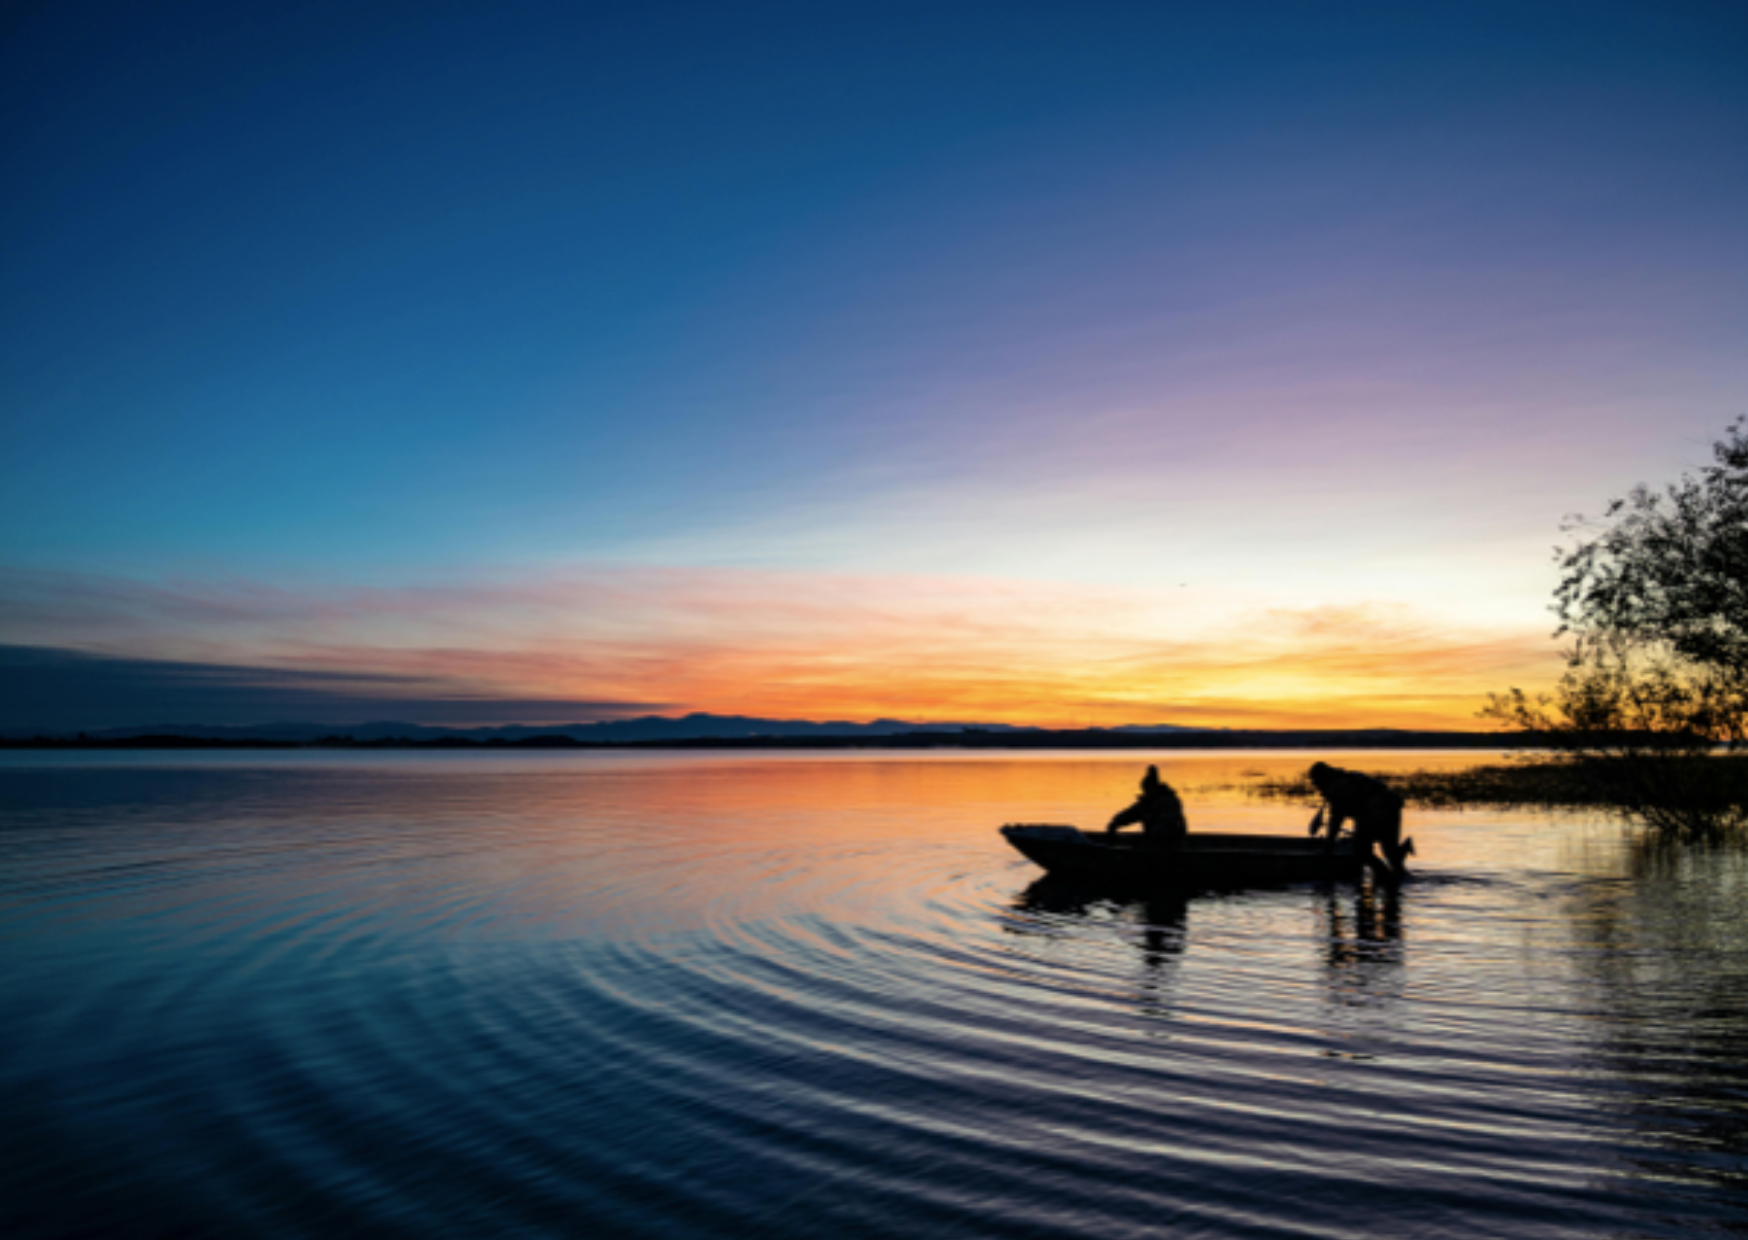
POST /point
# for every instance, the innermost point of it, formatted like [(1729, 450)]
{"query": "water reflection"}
[(1661, 954), (702, 995), (1356, 928), (1362, 932), (1157, 925)]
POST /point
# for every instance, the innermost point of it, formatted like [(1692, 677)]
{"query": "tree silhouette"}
[(1654, 595), (1669, 569)]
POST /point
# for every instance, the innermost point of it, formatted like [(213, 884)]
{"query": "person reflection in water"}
[(1365, 953), (1159, 812), (1375, 811)]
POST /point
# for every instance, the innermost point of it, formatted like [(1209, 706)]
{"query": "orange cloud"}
[(808, 645)]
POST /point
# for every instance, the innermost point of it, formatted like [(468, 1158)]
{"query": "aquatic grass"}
[(1671, 787), (1680, 795)]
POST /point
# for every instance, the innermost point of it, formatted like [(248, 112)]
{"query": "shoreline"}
[(1089, 739)]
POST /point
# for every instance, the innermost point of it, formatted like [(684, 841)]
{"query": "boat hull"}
[(1202, 861)]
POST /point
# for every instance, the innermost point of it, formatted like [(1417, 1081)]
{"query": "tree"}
[(1654, 595), (1669, 569)]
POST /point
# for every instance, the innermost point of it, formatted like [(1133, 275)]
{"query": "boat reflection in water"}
[(1356, 927), (1157, 925)]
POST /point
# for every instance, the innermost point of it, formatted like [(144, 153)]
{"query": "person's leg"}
[(1390, 835), (1363, 841)]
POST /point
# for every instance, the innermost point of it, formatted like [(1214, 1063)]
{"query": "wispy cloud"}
[(58, 690), (594, 642)]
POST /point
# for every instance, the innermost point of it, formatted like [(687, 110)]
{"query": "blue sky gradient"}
[(1300, 306)]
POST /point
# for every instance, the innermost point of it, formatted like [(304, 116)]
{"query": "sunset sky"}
[(1061, 364)]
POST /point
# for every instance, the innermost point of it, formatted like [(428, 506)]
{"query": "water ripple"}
[(384, 1006)]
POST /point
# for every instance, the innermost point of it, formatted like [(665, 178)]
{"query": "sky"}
[(1076, 365)]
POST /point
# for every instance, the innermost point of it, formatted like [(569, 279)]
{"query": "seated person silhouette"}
[(1375, 811), (1159, 812)]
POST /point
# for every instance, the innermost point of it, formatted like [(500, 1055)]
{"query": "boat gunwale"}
[(1234, 860), (1200, 842)]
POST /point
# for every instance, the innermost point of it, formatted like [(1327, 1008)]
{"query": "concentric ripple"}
[(661, 995)]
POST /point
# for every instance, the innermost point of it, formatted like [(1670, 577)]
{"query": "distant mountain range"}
[(644, 728)]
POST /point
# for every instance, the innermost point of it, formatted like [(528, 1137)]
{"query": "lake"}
[(652, 994)]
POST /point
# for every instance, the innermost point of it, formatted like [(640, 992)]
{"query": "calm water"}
[(729, 995)]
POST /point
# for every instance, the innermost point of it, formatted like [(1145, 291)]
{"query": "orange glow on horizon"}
[(795, 645), (1361, 670)]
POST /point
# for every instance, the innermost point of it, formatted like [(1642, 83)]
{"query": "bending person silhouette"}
[(1158, 810), (1375, 811)]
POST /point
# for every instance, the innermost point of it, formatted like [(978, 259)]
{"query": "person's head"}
[(1319, 775)]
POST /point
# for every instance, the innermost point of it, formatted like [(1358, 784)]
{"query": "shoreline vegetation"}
[(1652, 711), (1540, 781)]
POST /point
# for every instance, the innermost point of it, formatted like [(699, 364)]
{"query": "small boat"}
[(1209, 860)]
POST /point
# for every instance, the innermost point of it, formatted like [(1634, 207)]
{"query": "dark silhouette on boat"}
[(1374, 808), (1158, 812), (1167, 854)]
